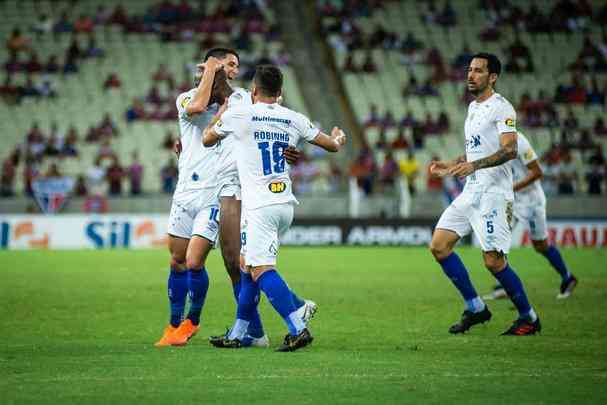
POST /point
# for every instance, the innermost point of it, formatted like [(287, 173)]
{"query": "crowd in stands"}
[(587, 87)]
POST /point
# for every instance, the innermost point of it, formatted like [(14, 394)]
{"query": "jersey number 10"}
[(273, 161)]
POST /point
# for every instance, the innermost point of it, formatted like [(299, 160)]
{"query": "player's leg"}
[(230, 242), (177, 287), (539, 237), (452, 225), (491, 225)]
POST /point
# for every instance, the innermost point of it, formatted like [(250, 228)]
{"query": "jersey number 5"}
[(275, 157)]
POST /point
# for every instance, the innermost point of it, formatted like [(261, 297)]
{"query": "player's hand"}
[(462, 169), (177, 147), (338, 136), (291, 154), (439, 169), (212, 63)]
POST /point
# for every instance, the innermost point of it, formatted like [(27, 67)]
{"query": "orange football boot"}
[(167, 336), (183, 333)]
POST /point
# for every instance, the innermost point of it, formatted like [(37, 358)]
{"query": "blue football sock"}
[(514, 287), (297, 301), (457, 273), (198, 286), (247, 306), (178, 291), (554, 257), (281, 299), (255, 325)]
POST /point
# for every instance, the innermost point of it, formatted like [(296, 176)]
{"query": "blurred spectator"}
[(46, 87), (335, 177), (566, 174), (33, 65), (389, 171), (7, 180), (102, 15), (114, 175), (106, 152), (44, 25), (95, 175), (409, 167), (112, 82), (154, 96), (17, 42), (163, 75), (570, 122), (168, 177), (381, 143), (118, 15), (363, 170), (69, 149), (92, 49), (30, 172), (349, 65), (304, 173), (443, 124), (550, 178), (83, 23), (369, 65), (599, 126), (52, 66), (95, 203), (53, 171), (80, 189), (595, 176), (63, 24), (169, 140), (136, 111), (70, 65), (107, 127), (400, 142), (135, 174), (433, 183), (595, 96), (74, 51), (29, 89), (373, 117)]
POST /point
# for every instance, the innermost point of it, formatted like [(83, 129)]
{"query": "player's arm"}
[(534, 174), (200, 101), (440, 168), (210, 135), (506, 152), (330, 143)]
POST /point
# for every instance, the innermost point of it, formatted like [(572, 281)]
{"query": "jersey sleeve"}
[(182, 102), (505, 118), (238, 98), (525, 151), (306, 128), (230, 123)]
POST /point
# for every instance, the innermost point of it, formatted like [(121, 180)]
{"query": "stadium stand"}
[(404, 72), (113, 57)]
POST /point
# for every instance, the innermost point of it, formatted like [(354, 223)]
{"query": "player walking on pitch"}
[(485, 204), (530, 210), (262, 131)]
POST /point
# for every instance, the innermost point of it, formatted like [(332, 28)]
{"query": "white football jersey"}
[(262, 132), (533, 194), (226, 162), (485, 123), (197, 164)]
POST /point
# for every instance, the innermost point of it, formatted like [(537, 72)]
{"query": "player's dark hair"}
[(493, 63), (268, 79), (220, 53)]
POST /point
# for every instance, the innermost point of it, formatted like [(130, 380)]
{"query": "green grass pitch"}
[(79, 327)]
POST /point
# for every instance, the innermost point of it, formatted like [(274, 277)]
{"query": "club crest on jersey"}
[(277, 187), (510, 122), (528, 154), (185, 102), (473, 142)]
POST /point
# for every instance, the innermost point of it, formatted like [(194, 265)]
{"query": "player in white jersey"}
[(530, 210), (192, 227), (262, 132), (485, 204)]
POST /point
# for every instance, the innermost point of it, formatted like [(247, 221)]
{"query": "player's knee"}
[(257, 272), (194, 262), (178, 263), (440, 250), (540, 246), (495, 264)]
